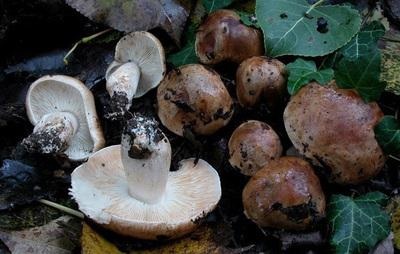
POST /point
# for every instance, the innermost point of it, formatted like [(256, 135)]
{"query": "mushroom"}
[(222, 36), (138, 67), (252, 146), (285, 194), (128, 188), (193, 97), (335, 129), (260, 77), (63, 112)]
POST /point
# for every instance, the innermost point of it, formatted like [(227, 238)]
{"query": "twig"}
[(394, 158), (62, 208), (82, 41)]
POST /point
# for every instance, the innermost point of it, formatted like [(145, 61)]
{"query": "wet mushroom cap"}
[(145, 50), (51, 94), (335, 128), (100, 188), (193, 97), (253, 145), (285, 194), (259, 78), (222, 36)]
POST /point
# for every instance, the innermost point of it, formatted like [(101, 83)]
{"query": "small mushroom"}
[(285, 194), (138, 67), (335, 129), (63, 112), (252, 146), (260, 78), (222, 36), (129, 189), (193, 97)]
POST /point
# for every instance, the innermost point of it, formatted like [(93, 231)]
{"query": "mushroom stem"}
[(122, 83), (52, 134), (146, 157)]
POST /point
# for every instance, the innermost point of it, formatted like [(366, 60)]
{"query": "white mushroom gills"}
[(122, 83), (138, 67), (146, 158), (53, 133)]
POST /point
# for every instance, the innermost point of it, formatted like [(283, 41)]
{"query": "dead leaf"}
[(48, 239), (391, 61), (138, 15), (93, 243), (206, 239)]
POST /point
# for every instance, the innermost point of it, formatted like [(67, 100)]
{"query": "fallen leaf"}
[(93, 243), (206, 239), (47, 239), (138, 15), (391, 61)]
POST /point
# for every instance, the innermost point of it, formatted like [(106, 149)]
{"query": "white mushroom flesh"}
[(52, 134), (146, 156)]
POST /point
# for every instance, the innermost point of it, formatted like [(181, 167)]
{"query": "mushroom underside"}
[(52, 94), (101, 190)]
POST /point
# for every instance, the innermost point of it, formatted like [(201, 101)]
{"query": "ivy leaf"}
[(364, 42), (187, 54), (305, 30), (301, 72), (212, 5), (362, 74), (358, 224), (387, 133)]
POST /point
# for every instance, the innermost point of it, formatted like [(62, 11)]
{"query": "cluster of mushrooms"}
[(129, 189)]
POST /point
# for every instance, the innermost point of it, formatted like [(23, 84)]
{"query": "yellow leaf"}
[(93, 243), (206, 239)]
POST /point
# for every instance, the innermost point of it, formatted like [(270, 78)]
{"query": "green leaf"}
[(249, 19), (301, 72), (387, 133), (360, 64), (187, 54), (357, 224), (364, 42), (362, 74), (297, 28), (212, 5)]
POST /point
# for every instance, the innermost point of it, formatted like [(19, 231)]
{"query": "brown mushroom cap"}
[(258, 78), (335, 128), (222, 36), (193, 97), (285, 194), (253, 145)]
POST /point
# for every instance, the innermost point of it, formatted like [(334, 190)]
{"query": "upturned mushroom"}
[(259, 78), (253, 145), (285, 194), (194, 97), (63, 112), (222, 36), (129, 189), (138, 67), (335, 129)]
